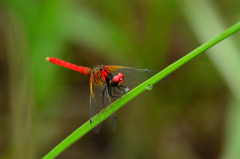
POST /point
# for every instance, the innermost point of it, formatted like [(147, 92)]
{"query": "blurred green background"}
[(195, 116)]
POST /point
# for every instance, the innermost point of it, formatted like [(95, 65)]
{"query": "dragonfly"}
[(107, 84)]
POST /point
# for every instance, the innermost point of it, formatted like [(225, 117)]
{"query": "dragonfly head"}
[(117, 80)]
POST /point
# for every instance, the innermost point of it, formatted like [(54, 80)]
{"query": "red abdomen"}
[(81, 69)]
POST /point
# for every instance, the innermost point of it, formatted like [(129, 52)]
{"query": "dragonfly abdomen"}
[(81, 69)]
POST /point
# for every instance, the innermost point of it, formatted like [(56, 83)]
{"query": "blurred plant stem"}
[(206, 24), (21, 145)]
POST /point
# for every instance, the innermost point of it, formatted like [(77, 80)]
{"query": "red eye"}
[(116, 79), (120, 75)]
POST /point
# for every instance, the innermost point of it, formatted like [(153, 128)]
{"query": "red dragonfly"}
[(107, 83)]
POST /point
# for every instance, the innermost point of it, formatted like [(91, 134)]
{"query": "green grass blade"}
[(86, 127)]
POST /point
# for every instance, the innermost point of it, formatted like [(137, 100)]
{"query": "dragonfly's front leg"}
[(110, 93), (117, 92), (103, 97), (126, 89)]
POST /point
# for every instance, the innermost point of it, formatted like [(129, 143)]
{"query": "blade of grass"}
[(20, 93), (86, 127)]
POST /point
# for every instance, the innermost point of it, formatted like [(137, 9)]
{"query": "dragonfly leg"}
[(103, 97), (124, 88), (110, 93), (121, 89), (117, 92)]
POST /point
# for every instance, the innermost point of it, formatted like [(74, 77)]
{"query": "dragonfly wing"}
[(132, 77), (94, 109), (100, 98), (112, 118)]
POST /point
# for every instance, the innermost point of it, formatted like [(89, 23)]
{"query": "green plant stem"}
[(86, 127)]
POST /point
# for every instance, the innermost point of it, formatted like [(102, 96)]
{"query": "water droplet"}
[(90, 120), (147, 70), (127, 89), (149, 87)]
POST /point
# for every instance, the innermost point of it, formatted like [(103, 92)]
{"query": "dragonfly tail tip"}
[(47, 58)]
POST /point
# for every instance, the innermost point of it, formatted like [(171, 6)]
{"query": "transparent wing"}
[(94, 109), (100, 99), (132, 76)]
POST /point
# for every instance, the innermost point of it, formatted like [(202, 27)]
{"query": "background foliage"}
[(196, 115)]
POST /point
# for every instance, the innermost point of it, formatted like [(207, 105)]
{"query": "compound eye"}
[(120, 75), (116, 79)]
